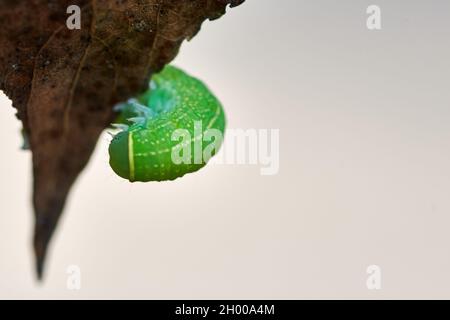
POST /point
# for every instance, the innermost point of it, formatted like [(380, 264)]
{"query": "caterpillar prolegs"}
[(170, 118)]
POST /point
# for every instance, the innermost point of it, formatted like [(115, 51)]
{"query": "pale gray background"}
[(364, 178)]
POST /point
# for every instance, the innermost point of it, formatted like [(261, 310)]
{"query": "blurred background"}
[(364, 170)]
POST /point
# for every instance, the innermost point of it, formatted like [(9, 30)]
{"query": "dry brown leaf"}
[(64, 83)]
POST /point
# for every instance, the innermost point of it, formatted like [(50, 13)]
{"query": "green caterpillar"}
[(143, 150)]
